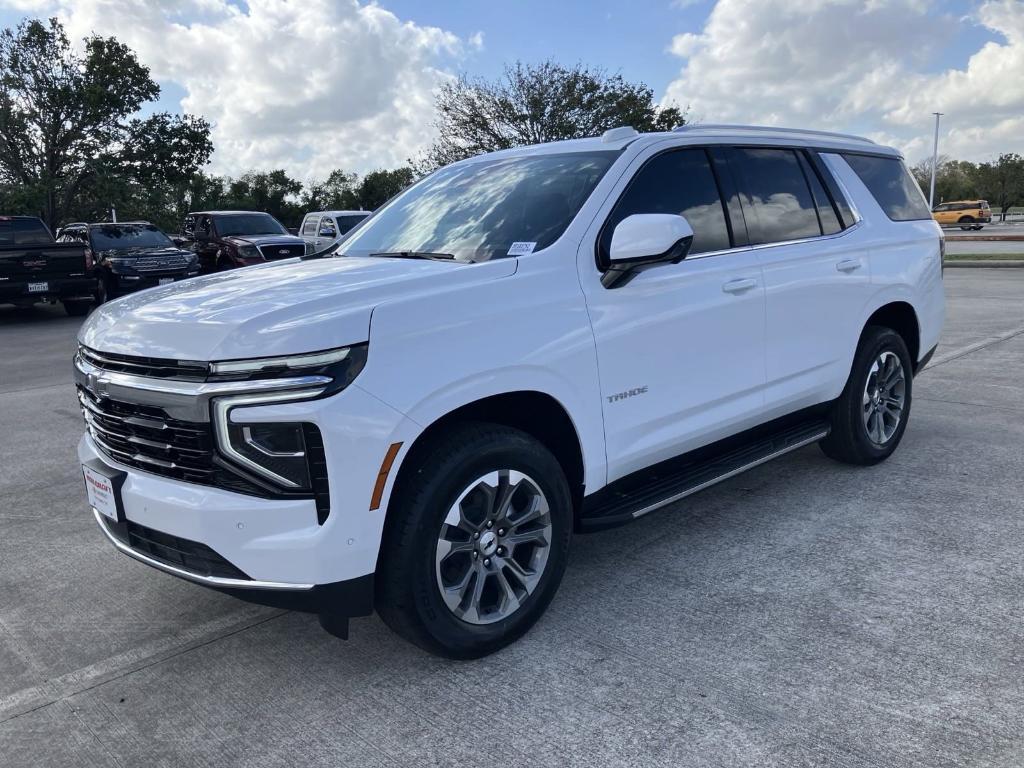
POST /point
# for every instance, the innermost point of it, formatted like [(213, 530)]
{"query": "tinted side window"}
[(827, 215), (777, 202), (891, 185), (679, 182)]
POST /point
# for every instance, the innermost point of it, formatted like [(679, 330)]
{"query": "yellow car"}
[(966, 214)]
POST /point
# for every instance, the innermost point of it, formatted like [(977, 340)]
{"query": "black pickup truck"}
[(34, 268)]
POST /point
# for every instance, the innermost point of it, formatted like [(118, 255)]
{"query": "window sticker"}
[(520, 249)]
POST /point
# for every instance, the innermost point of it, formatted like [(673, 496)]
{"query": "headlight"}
[(122, 266), (249, 252), (275, 451), (341, 365), (288, 454)]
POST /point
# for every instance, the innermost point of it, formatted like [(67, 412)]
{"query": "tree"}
[(66, 126), (954, 179), (266, 191), (1002, 182), (377, 187), (337, 193), (534, 103)]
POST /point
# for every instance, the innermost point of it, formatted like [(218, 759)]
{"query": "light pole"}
[(935, 161)]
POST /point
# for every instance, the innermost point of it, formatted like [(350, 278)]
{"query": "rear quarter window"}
[(892, 186)]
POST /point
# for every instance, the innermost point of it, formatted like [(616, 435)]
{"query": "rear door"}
[(680, 347), (817, 278)]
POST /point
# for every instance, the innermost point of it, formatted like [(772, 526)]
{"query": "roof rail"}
[(772, 129)]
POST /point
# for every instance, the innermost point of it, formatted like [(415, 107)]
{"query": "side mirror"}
[(644, 239)]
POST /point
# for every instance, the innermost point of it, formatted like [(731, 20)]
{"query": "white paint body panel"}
[(442, 335)]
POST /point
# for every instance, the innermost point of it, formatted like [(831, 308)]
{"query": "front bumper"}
[(285, 555), (352, 597), (122, 284)]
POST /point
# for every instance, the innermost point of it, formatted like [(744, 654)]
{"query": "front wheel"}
[(869, 417), (476, 542), (77, 307)]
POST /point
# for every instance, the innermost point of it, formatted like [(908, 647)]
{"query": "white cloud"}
[(308, 86), (847, 64)]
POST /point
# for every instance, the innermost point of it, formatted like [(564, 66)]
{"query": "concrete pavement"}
[(805, 613)]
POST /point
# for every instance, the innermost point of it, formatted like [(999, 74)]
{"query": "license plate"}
[(38, 287), (101, 492), (165, 280)]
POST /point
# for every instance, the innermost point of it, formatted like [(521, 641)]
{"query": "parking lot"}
[(804, 613)]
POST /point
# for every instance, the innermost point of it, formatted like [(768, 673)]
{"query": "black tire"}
[(102, 290), (849, 440), (966, 222), (77, 307), (224, 263), (408, 594)]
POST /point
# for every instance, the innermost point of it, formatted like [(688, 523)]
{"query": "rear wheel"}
[(478, 541), (966, 222), (869, 417), (77, 307)]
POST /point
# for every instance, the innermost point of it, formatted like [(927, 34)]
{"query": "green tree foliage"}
[(377, 187), (1000, 182), (1003, 181), (69, 144), (534, 103)]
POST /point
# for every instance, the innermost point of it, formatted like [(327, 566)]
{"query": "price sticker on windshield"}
[(521, 249)]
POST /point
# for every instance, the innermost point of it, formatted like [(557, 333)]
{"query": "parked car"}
[(523, 345), (35, 268), (228, 239), (966, 214), (130, 256), (322, 229)]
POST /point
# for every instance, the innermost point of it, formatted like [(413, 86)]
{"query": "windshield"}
[(115, 236), (249, 224), (478, 211)]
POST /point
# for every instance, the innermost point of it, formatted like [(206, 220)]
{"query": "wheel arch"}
[(901, 317), (537, 413)]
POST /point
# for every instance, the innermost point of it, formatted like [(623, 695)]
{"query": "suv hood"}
[(279, 308)]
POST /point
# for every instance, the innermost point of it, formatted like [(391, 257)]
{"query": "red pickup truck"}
[(34, 268)]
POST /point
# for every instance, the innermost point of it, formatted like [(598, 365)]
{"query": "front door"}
[(680, 347)]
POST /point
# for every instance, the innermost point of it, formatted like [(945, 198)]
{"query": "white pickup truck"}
[(521, 346)]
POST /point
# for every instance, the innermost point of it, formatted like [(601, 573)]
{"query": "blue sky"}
[(354, 82)]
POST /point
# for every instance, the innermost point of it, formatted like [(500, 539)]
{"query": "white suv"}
[(322, 229), (521, 346)]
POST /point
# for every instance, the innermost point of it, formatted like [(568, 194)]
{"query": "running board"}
[(650, 489)]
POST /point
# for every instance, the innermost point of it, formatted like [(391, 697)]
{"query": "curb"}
[(997, 263), (985, 238)]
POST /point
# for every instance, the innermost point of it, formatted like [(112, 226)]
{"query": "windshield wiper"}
[(417, 255)]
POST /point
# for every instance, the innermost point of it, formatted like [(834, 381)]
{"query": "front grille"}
[(170, 262), (154, 367), (145, 437), (192, 556), (286, 251)]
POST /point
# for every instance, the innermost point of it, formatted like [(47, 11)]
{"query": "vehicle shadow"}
[(38, 313)]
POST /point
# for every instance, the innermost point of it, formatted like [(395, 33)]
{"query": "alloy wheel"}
[(493, 546), (885, 393)]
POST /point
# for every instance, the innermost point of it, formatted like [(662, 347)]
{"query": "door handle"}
[(849, 265), (740, 285)]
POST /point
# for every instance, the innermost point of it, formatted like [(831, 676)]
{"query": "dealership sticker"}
[(520, 249)]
